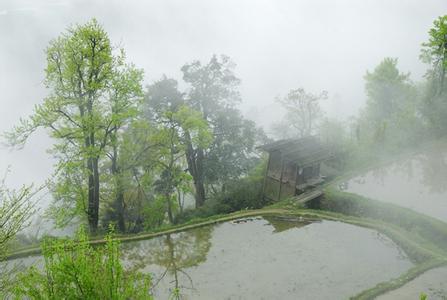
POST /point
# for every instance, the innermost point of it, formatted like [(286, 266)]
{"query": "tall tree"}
[(124, 95), (81, 112), (387, 90), (232, 152), (129, 183), (390, 105), (179, 127), (303, 112), (213, 90)]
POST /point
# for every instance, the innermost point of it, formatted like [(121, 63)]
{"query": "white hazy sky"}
[(277, 45)]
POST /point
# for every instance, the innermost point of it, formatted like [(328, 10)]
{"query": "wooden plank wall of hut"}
[(288, 180), (281, 177), (272, 181)]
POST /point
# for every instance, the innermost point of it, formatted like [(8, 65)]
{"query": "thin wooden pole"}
[(265, 177), (280, 177)]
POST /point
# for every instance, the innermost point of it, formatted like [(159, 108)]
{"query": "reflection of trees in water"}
[(9, 269), (434, 170), (285, 223), (382, 174), (379, 174), (175, 253), (405, 167), (383, 239)]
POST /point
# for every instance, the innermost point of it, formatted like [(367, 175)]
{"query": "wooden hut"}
[(293, 167)]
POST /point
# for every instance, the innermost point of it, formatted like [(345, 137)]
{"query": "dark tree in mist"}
[(213, 90), (390, 110), (179, 128)]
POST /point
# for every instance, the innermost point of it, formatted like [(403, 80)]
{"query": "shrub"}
[(76, 270), (244, 194)]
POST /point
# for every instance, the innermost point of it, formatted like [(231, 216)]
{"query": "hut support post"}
[(265, 177), (280, 178)]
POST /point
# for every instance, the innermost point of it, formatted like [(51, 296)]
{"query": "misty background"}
[(277, 46)]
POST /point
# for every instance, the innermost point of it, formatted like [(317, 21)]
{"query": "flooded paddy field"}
[(266, 258), (418, 183), (433, 283)]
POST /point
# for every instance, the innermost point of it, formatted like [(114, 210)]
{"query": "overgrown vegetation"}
[(73, 269), (16, 209), (240, 194)]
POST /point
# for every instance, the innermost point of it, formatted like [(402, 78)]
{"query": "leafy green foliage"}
[(130, 183), (76, 270), (93, 94), (213, 90), (243, 193), (232, 154), (16, 208), (179, 128), (434, 52)]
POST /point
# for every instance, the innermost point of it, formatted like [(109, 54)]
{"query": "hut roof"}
[(303, 151)]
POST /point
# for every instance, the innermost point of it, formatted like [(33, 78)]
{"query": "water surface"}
[(268, 258), (418, 183), (433, 283)]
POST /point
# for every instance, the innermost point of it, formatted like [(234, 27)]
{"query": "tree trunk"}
[(92, 166), (172, 263), (180, 200), (195, 159), (200, 193), (119, 191), (196, 170), (120, 209), (170, 215), (93, 194)]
